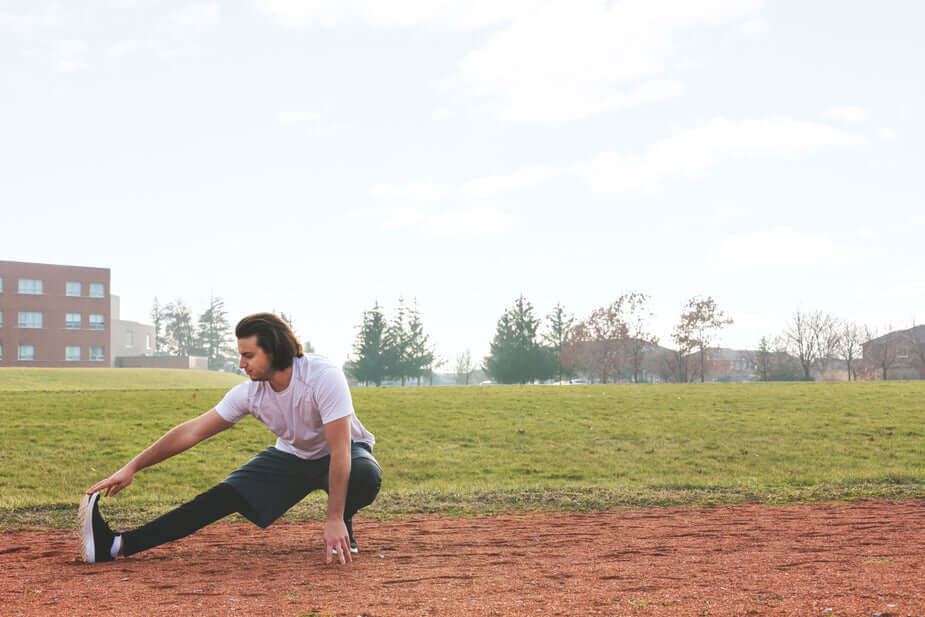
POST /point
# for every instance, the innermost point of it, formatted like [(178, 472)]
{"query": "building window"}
[(72, 321), (903, 353), (72, 354), (26, 352), (96, 322), (129, 338), (1, 319), (31, 287), (29, 319), (1, 284), (72, 289), (96, 354), (1, 352), (96, 290), (147, 336)]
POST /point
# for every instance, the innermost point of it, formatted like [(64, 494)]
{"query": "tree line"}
[(610, 343), (614, 342), (177, 332), (397, 349), (813, 342)]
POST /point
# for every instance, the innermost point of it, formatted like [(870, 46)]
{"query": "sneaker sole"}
[(85, 527)]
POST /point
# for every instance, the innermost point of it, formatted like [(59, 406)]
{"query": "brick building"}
[(53, 315), (896, 355)]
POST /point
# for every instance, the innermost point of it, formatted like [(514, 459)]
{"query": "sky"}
[(319, 156)]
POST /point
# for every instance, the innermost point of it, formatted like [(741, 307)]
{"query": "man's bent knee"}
[(365, 482)]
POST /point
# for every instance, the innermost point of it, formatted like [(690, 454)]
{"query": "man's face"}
[(254, 360)]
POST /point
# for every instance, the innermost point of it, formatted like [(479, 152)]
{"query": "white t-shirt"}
[(317, 394)]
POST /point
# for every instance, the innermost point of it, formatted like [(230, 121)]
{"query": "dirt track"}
[(863, 558)]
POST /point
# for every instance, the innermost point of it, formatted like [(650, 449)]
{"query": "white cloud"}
[(847, 113), (27, 24), (887, 134), (415, 191), (459, 221), (123, 48), (780, 247), (294, 118), (442, 114), (442, 14), (522, 178), (755, 27), (908, 285), (918, 219), (689, 154), (71, 56), (197, 15), (728, 213), (574, 58)]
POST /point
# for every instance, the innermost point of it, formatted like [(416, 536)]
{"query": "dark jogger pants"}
[(262, 490)]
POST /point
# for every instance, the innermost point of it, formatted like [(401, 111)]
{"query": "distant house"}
[(128, 338), (725, 364), (896, 355)]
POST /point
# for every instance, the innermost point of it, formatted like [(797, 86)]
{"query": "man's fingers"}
[(96, 487), (328, 551)]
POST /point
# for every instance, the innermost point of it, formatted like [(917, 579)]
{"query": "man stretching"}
[(305, 401)]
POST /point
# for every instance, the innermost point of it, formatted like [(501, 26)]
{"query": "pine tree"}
[(559, 323), (398, 345), (420, 356), (516, 355), (369, 348), (213, 337)]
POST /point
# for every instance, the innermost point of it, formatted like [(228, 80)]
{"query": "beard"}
[(264, 376)]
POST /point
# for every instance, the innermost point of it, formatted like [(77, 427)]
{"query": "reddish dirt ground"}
[(862, 558)]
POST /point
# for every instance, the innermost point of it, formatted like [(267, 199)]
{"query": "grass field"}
[(477, 449)]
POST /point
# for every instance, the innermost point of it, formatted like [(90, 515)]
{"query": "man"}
[(305, 401)]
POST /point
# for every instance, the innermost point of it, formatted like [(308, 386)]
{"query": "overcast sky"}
[(318, 156)]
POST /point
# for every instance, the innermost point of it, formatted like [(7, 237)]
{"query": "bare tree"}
[(849, 346), (636, 315), (882, 354), (799, 335), (812, 337), (580, 352), (596, 344), (682, 339), (828, 338), (700, 323), (609, 333), (464, 367)]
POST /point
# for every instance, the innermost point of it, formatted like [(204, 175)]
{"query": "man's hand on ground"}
[(114, 483), (336, 539)]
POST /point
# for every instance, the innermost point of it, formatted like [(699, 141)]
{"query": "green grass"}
[(465, 451), (72, 379)]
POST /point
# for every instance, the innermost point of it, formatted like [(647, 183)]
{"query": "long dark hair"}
[(274, 337)]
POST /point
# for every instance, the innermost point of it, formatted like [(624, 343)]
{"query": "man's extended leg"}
[(218, 502), (99, 543)]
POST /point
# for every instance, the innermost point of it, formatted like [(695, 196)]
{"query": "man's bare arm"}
[(179, 438), (337, 436)]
